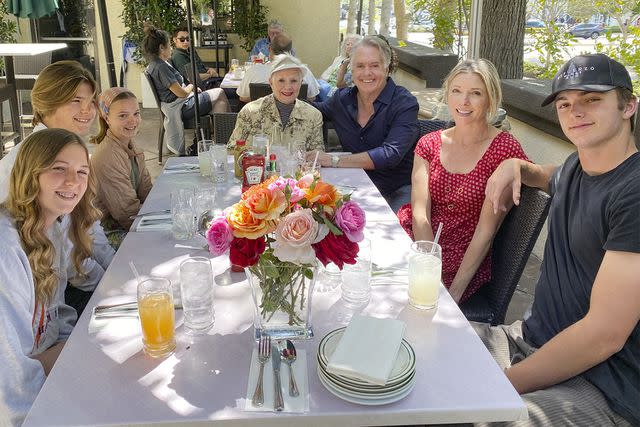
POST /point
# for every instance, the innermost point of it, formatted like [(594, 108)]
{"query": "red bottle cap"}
[(272, 156), (241, 142)]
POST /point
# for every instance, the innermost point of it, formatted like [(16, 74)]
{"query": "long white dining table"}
[(102, 376)]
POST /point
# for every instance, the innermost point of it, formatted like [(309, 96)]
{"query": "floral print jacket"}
[(260, 116)]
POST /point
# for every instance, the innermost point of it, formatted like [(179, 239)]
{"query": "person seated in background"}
[(338, 74), (51, 179), (63, 96), (262, 45), (118, 164), (450, 172), (181, 58), (376, 120), (576, 359), (177, 98), (297, 120), (259, 73)]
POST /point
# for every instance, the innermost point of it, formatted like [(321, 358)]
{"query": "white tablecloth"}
[(103, 378)]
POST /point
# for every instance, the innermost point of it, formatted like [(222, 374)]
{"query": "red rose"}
[(337, 249), (246, 252)]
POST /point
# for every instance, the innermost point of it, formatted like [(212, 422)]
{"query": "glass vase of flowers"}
[(278, 232)]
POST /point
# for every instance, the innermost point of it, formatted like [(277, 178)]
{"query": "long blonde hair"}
[(56, 86), (37, 153)]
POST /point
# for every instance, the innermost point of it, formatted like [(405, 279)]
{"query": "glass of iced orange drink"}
[(155, 308)]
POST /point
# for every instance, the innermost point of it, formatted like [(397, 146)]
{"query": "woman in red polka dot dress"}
[(450, 171)]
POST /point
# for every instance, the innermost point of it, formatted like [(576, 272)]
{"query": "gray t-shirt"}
[(164, 75), (589, 215)]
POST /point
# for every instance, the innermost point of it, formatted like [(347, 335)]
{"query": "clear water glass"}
[(196, 293), (219, 166), (356, 278), (183, 217)]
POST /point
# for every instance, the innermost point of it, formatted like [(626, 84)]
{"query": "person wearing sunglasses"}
[(181, 58)]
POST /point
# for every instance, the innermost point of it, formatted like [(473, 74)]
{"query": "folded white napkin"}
[(291, 404), (368, 349), (154, 222)]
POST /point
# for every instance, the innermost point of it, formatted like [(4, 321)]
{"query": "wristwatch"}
[(334, 161)]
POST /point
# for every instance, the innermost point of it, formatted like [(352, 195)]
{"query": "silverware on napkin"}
[(161, 212), (289, 356), (264, 351), (278, 401)]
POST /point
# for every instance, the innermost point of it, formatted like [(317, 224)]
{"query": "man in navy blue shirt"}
[(376, 120)]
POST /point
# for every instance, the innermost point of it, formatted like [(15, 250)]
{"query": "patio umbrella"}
[(33, 9)]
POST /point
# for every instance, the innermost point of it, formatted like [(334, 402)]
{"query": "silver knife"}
[(278, 402)]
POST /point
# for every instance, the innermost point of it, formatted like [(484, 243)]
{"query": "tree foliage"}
[(163, 14), (249, 21), (624, 12)]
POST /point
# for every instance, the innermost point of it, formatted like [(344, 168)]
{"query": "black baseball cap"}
[(591, 73)]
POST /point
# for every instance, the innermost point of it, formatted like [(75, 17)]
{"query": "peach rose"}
[(293, 237), (265, 203), (244, 224), (322, 193)]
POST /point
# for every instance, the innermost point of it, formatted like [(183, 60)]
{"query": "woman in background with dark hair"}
[(177, 98), (376, 120)]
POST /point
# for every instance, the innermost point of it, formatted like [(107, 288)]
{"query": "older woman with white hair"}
[(295, 119), (338, 75), (376, 120)]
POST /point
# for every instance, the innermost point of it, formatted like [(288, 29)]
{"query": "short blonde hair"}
[(489, 76), (56, 86)]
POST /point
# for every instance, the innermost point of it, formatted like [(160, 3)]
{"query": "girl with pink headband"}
[(118, 164)]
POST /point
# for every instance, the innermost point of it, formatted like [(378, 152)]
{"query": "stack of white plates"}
[(399, 384)]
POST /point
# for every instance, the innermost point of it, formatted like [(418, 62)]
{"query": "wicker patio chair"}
[(511, 249), (223, 125)]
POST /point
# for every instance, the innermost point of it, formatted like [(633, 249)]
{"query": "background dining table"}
[(102, 376)]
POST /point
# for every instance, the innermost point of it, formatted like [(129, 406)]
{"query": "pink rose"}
[(350, 218), (281, 183), (219, 236), (293, 237)]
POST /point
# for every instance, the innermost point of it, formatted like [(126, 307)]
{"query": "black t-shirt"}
[(588, 216)]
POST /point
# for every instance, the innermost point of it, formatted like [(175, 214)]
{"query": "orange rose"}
[(244, 224), (322, 193), (266, 204)]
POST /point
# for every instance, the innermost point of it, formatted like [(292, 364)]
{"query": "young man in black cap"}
[(576, 359)]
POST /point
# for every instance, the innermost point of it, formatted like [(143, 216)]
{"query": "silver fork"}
[(264, 352)]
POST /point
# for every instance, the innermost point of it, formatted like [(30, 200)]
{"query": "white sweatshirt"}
[(27, 329)]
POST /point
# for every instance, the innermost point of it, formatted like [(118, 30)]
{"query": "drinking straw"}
[(313, 168), (435, 239), (135, 271)]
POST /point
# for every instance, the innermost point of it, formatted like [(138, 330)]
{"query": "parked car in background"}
[(588, 30), (534, 24)]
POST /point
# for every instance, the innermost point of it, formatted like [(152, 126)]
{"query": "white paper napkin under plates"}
[(291, 404), (368, 349), (154, 222)]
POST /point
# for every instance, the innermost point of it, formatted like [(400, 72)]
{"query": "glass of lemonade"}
[(204, 147), (425, 271), (157, 318)]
